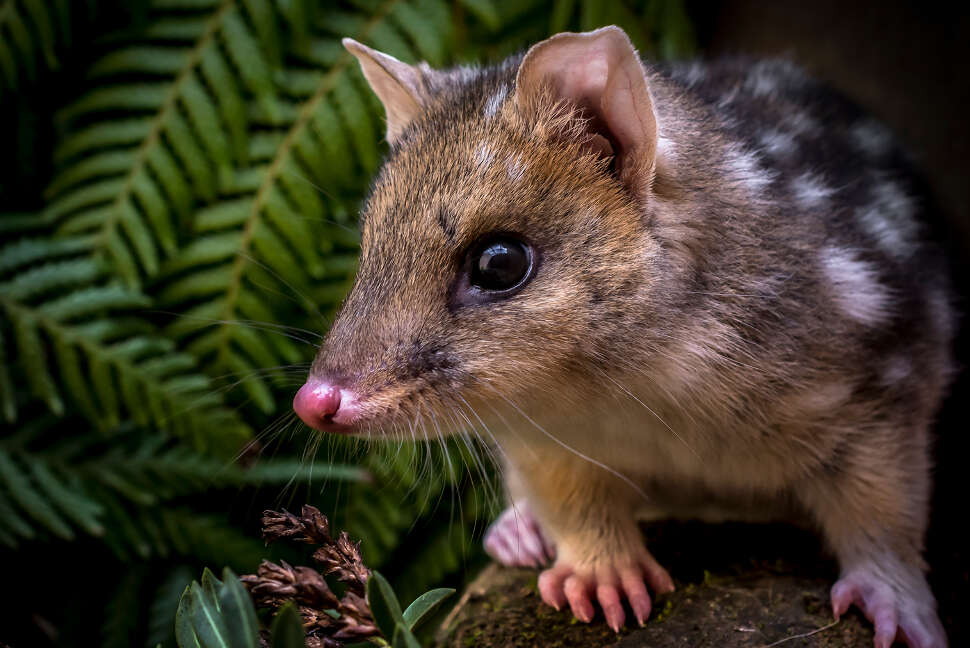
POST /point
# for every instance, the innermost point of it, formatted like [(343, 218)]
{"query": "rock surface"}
[(744, 586)]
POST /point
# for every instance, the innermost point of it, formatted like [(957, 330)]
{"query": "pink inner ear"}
[(602, 73)]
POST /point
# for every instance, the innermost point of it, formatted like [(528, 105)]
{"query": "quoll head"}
[(503, 246)]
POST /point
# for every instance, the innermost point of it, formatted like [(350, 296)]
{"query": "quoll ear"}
[(399, 86), (601, 71)]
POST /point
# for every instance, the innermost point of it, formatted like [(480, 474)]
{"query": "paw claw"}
[(577, 593), (636, 594), (606, 585), (897, 614), (842, 596), (551, 587), (609, 600)]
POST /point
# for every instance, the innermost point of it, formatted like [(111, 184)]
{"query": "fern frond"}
[(70, 336), (132, 184), (20, 490), (106, 490), (31, 33)]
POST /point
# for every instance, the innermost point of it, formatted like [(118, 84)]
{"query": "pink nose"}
[(318, 404)]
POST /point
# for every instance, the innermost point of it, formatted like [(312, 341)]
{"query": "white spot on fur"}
[(701, 349), (897, 369), (516, 168), (855, 286), (871, 137), (729, 97), (465, 73), (768, 77), (761, 82), (822, 398), (810, 191), (495, 101), (483, 156), (665, 148), (890, 219), (691, 73), (778, 143), (801, 123), (746, 168)]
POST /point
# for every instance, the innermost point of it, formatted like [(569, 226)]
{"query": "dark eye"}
[(500, 264)]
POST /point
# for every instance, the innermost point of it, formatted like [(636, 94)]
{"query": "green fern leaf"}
[(181, 155), (8, 397), (34, 360), (22, 492), (69, 499), (54, 309), (15, 527), (32, 250)]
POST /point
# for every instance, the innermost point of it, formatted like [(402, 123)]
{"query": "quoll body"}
[(697, 290)]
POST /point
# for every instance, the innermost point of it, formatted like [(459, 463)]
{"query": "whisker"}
[(658, 417), (307, 302)]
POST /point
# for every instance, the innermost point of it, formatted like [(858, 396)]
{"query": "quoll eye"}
[(501, 264)]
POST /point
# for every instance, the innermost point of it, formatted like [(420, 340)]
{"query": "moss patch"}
[(740, 586)]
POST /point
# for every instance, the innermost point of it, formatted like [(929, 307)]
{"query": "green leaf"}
[(236, 606), (287, 630), (383, 604), (403, 638), (216, 614), (425, 605)]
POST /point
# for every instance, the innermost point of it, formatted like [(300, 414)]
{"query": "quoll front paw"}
[(515, 539), (608, 583), (897, 614)]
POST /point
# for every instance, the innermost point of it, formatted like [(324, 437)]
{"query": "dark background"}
[(906, 63)]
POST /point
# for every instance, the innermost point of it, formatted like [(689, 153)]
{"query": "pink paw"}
[(515, 540), (896, 615), (609, 584)]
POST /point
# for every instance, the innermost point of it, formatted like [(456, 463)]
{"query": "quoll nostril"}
[(329, 401), (316, 402)]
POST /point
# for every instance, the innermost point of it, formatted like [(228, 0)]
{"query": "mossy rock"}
[(737, 586)]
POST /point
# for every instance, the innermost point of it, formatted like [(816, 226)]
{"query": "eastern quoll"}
[(692, 290)]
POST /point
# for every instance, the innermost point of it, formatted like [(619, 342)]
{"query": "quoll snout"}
[(325, 406)]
